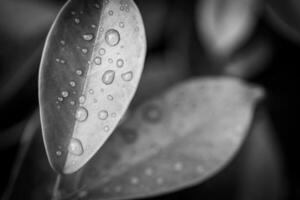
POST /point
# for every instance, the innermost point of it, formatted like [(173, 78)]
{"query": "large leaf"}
[(224, 25), (91, 65), (173, 141)]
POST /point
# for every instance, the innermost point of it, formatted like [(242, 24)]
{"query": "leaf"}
[(224, 25), (91, 65), (174, 141)]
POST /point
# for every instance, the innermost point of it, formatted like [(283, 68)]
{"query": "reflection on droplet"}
[(65, 93), (110, 97), (101, 51), (79, 72), (110, 12), (81, 114), (75, 147), (84, 51), (97, 61), (103, 114), (127, 76), (82, 99), (112, 37), (121, 25), (58, 153), (77, 20), (120, 63), (88, 37), (108, 77), (72, 83), (106, 128)]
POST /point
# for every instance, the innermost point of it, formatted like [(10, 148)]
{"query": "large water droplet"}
[(81, 114), (75, 147), (97, 61), (112, 37), (88, 37), (120, 63), (103, 114), (65, 93), (108, 77), (127, 76)]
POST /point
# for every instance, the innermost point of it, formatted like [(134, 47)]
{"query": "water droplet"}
[(108, 77), (82, 194), (77, 20), (93, 26), (110, 60), (113, 115), (72, 103), (134, 180), (57, 60), (97, 5), (62, 61), (103, 114), (118, 188), (106, 128), (73, 13), (127, 76), (79, 72), (112, 37), (62, 42), (88, 37), (84, 51), (81, 12), (75, 147), (101, 51), (81, 114), (149, 172), (178, 166), (120, 63), (121, 8), (81, 99), (91, 91), (72, 83), (152, 113), (101, 29), (65, 93), (121, 25), (97, 61), (110, 97), (58, 153), (129, 135), (159, 180), (110, 12), (60, 99), (199, 169)]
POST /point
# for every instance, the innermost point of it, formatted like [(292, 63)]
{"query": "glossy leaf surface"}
[(91, 65), (173, 141)]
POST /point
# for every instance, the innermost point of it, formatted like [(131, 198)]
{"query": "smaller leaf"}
[(173, 141)]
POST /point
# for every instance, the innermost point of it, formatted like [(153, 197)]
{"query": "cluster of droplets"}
[(124, 6)]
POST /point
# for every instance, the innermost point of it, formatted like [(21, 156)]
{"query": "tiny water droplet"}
[(73, 13), (152, 113), (72, 103), (82, 194), (75, 147), (120, 63), (79, 72), (110, 60), (108, 77), (134, 180), (159, 180), (91, 91), (62, 42), (58, 153), (113, 115), (127, 9), (72, 83), (81, 114), (62, 61), (149, 172), (112, 37), (118, 188), (97, 61), (121, 25), (103, 114), (65, 93), (101, 29), (84, 50), (127, 76), (60, 99), (178, 166), (106, 1), (110, 97), (77, 20), (81, 99), (101, 51), (121, 8), (88, 37), (110, 12), (57, 60), (97, 5), (106, 128), (93, 26)]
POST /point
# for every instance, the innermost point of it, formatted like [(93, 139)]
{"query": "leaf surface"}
[(91, 65)]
